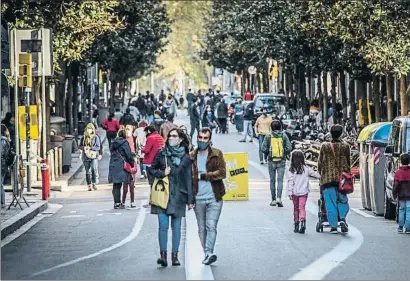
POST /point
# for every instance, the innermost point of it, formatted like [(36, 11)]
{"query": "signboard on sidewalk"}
[(237, 178), (34, 134)]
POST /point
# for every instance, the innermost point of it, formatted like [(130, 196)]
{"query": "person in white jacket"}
[(298, 188)]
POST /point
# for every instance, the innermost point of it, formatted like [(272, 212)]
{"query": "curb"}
[(17, 221)]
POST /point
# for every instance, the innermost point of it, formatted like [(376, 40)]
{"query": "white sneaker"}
[(205, 259), (273, 203)]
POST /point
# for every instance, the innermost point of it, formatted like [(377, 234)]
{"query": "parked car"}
[(399, 142)]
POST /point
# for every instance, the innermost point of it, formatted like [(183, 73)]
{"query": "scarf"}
[(176, 153)]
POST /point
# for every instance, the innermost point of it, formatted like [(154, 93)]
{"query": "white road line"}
[(73, 212), (134, 233), (194, 269), (320, 268), (99, 215), (72, 216), (364, 214)]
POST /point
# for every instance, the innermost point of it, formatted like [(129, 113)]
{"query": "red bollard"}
[(45, 179)]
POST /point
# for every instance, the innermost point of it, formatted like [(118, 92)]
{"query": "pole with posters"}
[(43, 97)]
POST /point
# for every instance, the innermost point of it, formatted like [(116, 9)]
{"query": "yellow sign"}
[(237, 178), (25, 70), (33, 122), (369, 114)]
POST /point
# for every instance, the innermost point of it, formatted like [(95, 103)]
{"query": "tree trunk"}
[(325, 104), (113, 89), (297, 87), (362, 92), (320, 93), (343, 93), (302, 88), (352, 102), (48, 114), (70, 99), (389, 96), (376, 98), (403, 96), (333, 81), (75, 73)]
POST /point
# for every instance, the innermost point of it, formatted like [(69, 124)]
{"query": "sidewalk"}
[(14, 218)]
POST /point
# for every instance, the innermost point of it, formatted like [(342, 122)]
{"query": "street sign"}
[(252, 70)]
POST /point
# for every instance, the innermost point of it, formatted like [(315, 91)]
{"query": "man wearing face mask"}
[(263, 128), (209, 172)]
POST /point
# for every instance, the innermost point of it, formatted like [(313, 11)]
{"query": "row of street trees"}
[(368, 39), (123, 36)]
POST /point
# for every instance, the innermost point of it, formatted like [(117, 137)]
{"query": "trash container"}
[(363, 164), (377, 142), (67, 152)]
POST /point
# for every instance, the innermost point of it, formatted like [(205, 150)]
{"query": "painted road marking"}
[(364, 214), (134, 233), (194, 269), (320, 268), (72, 216), (73, 212)]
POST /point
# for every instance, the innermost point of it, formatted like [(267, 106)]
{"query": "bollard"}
[(45, 179)]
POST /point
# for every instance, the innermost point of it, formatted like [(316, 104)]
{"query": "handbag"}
[(345, 180), (160, 191), (127, 166), (91, 154)]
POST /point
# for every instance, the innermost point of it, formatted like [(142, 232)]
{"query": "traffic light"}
[(25, 70)]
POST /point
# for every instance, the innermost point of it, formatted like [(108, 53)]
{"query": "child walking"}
[(298, 188), (401, 190)]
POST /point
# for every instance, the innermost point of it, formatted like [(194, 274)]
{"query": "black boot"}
[(175, 261), (296, 230), (163, 259), (303, 227)]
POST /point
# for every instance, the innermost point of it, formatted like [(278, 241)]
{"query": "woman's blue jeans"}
[(404, 214), (163, 221), (337, 205)]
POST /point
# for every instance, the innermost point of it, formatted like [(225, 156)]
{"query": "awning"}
[(364, 134), (380, 134)]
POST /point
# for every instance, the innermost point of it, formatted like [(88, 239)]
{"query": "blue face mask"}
[(202, 145)]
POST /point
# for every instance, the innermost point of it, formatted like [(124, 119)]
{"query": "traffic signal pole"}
[(28, 168)]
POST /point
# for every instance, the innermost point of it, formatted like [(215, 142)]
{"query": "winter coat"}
[(154, 143), (171, 107), (111, 126), (329, 166), (222, 110), (401, 188), (6, 155), (206, 121), (215, 171), (195, 115), (266, 145), (298, 184), (120, 152), (180, 184)]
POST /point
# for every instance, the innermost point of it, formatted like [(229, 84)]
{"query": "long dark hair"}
[(181, 134), (110, 117), (297, 162)]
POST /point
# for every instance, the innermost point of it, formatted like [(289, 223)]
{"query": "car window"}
[(272, 103), (395, 137)]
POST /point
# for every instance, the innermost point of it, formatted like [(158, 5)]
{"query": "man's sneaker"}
[(205, 259), (407, 231), (400, 230), (132, 205), (94, 187), (242, 141), (273, 203), (142, 177), (344, 227), (117, 205), (333, 230), (89, 187), (279, 202), (262, 162), (211, 259)]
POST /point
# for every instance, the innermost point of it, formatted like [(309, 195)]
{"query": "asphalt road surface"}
[(88, 239)]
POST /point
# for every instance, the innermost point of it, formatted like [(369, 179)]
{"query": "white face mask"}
[(174, 142), (90, 131), (129, 133)]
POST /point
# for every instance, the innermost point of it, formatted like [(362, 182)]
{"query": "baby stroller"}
[(322, 215)]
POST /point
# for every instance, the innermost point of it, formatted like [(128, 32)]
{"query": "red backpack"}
[(345, 180)]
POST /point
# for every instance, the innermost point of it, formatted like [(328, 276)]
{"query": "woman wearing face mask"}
[(173, 161), (90, 146), (208, 120)]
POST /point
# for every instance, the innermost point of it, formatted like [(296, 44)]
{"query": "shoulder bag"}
[(160, 191), (345, 180)]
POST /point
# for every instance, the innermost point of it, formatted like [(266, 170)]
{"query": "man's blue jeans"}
[(337, 205), (163, 221), (404, 214), (248, 130), (261, 138)]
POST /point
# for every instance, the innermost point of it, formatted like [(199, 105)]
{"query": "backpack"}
[(277, 149)]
